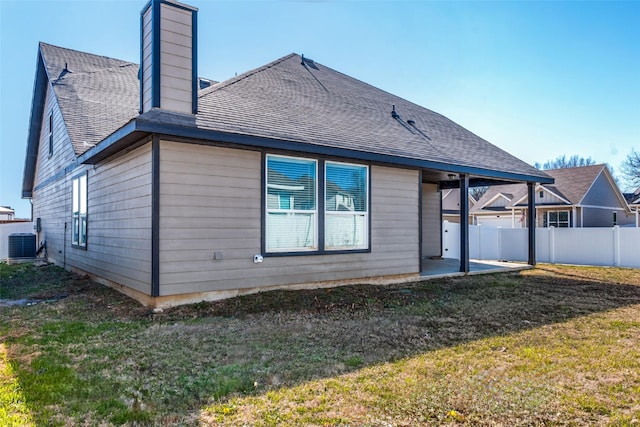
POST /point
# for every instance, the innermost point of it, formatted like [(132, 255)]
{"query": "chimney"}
[(168, 64)]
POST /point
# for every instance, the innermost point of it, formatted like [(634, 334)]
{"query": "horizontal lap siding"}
[(119, 221), (210, 202), (52, 200)]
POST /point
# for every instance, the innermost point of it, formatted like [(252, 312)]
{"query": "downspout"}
[(64, 247)]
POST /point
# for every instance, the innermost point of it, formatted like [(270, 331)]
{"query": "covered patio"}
[(449, 267)]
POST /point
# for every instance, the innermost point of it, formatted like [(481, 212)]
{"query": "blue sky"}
[(537, 79)]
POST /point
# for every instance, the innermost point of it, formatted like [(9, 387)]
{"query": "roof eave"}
[(137, 128), (41, 80)]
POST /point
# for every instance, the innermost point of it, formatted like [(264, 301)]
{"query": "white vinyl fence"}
[(9, 228), (613, 246)]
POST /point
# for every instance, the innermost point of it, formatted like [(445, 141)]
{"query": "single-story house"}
[(289, 175), (451, 205), (585, 196)]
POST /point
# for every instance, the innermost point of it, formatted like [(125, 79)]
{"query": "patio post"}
[(464, 223), (531, 221)]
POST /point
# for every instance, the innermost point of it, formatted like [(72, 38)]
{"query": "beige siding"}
[(431, 221), (119, 220), (499, 202), (547, 198), (175, 59), (147, 48), (63, 154), (50, 201), (210, 202)]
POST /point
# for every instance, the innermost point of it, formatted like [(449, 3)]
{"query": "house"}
[(451, 204), (6, 213), (586, 196), (289, 175), (633, 200)]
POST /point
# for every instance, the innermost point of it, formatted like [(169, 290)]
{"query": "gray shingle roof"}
[(96, 94), (571, 184), (313, 104), (288, 99)]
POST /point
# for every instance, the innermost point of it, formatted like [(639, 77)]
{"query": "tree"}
[(561, 162), (477, 192), (630, 169)]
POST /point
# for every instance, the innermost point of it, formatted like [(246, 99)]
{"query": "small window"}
[(541, 194), (79, 213), (346, 206), (292, 216), (615, 218), (50, 133)]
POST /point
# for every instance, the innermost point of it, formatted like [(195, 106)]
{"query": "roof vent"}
[(411, 122), (393, 112)]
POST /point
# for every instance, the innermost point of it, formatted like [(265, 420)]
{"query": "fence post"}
[(552, 245), (479, 241), (616, 245)]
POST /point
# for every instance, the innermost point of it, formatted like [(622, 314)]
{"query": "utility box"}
[(22, 245)]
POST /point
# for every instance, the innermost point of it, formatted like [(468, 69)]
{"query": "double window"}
[(79, 212), (315, 205), (556, 219)]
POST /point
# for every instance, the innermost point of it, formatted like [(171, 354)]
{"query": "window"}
[(346, 216), (556, 219), (79, 221), (292, 215), (299, 219), (615, 218), (541, 194), (50, 133)]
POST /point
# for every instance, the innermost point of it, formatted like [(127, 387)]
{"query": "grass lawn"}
[(555, 345)]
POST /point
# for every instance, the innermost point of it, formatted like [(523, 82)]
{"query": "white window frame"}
[(291, 212), (79, 194), (557, 222), (362, 214)]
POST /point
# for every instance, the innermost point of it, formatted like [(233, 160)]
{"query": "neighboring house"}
[(6, 213), (291, 174), (451, 205), (633, 200), (586, 196)]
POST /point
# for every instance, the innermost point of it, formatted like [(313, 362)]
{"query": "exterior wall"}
[(49, 196), (603, 217), (547, 198), (210, 203), (47, 166), (499, 202), (431, 221), (451, 201), (601, 193), (119, 220)]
